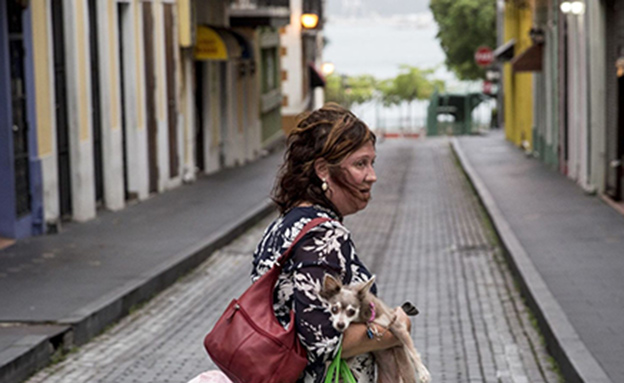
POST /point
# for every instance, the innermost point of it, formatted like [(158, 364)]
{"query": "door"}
[(199, 108), (563, 97), (615, 99), (18, 108), (95, 104), (172, 113), (60, 94), (122, 15), (150, 94), (223, 112), (618, 192)]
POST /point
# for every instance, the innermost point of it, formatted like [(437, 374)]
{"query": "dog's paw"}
[(423, 375)]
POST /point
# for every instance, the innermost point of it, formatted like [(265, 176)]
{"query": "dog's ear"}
[(331, 287), (364, 288)]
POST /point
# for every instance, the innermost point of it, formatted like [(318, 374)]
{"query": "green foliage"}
[(349, 90), (387, 93), (463, 26), (410, 84)]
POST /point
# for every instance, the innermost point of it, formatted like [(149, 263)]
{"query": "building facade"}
[(576, 73), (110, 101)]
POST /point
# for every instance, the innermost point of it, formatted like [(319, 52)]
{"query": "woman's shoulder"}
[(296, 219)]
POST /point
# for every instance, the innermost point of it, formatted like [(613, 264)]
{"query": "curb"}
[(89, 321), (576, 363)]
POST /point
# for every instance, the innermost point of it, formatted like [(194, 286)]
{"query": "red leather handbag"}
[(248, 343)]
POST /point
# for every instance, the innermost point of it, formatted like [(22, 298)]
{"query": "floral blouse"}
[(326, 249)]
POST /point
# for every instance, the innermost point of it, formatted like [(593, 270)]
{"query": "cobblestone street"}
[(428, 240)]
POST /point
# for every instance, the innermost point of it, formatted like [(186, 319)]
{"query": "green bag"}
[(339, 369)]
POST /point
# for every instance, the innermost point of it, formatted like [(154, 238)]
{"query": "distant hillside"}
[(380, 7)]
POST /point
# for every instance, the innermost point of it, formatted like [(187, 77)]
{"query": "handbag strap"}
[(279, 263)]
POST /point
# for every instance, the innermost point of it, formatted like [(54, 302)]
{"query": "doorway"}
[(122, 22), (172, 114), (96, 113), (18, 108), (617, 165), (223, 112), (199, 109), (150, 94), (60, 96)]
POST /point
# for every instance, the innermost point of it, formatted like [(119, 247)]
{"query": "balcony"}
[(255, 13)]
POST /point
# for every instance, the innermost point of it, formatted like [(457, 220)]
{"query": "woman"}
[(328, 172)]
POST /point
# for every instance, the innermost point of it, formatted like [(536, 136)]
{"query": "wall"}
[(518, 86)]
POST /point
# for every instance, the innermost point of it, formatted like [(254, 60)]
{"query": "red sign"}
[(484, 56), (487, 87)]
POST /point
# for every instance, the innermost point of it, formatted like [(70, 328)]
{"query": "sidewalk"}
[(566, 247), (58, 291)]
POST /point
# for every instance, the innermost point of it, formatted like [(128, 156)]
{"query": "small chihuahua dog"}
[(356, 304)]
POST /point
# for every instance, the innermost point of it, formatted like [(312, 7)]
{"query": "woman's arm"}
[(356, 341)]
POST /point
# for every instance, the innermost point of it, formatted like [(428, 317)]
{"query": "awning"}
[(316, 78), (530, 60), (216, 44), (505, 52), (247, 51)]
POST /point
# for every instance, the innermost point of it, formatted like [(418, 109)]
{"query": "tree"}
[(463, 26), (349, 90), (411, 84)]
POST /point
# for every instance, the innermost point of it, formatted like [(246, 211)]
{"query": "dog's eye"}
[(350, 312), (334, 310)]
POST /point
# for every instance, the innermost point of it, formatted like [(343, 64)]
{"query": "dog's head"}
[(345, 302)]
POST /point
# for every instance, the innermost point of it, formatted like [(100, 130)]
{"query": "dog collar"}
[(372, 307)]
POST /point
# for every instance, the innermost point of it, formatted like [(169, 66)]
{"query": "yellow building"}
[(518, 86)]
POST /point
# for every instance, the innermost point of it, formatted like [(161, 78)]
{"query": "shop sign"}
[(209, 45)]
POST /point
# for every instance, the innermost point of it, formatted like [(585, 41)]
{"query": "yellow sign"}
[(209, 45)]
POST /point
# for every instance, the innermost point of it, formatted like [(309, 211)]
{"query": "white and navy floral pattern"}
[(326, 249)]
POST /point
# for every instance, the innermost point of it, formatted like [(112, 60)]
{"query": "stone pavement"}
[(568, 248), (60, 290), (428, 240)]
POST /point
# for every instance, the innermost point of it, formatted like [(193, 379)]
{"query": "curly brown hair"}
[(332, 133)]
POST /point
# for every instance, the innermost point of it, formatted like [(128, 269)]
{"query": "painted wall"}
[(518, 86), (577, 77), (76, 29), (543, 87), (597, 51), (292, 64), (110, 104)]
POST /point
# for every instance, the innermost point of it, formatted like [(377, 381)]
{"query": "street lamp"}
[(578, 7), (309, 20), (574, 7), (566, 7), (327, 68)]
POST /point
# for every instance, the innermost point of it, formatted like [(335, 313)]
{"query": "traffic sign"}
[(488, 87), (484, 56)]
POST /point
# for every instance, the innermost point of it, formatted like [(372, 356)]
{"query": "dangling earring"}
[(324, 185)]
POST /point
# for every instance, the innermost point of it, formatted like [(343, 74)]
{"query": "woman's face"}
[(360, 174)]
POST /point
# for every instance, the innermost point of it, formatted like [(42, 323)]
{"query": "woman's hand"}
[(403, 318), (356, 340)]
